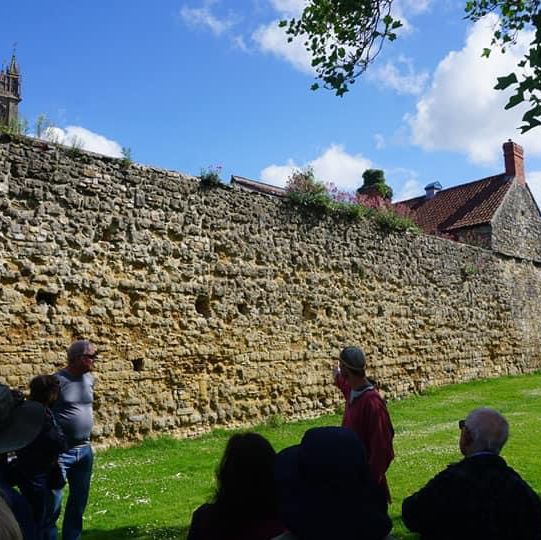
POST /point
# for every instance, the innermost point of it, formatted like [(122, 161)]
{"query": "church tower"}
[(10, 93)]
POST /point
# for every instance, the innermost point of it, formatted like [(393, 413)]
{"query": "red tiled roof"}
[(260, 187), (461, 206)]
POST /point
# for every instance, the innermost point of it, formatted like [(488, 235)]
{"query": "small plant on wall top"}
[(126, 159), (303, 189), (210, 177)]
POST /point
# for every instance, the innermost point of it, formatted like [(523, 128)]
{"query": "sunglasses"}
[(91, 356)]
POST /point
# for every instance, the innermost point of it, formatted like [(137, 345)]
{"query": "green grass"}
[(149, 491)]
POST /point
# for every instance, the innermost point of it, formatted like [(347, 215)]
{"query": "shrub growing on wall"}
[(303, 189), (210, 177)]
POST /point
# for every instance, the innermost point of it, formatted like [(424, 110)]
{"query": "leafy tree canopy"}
[(344, 36)]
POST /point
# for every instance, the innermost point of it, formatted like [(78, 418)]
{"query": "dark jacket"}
[(40, 455), (479, 498), (204, 527)]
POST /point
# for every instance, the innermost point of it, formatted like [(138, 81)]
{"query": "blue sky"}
[(196, 83)]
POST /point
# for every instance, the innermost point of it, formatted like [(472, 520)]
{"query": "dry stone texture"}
[(224, 307)]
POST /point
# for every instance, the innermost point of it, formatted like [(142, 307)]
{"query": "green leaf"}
[(505, 82), (515, 100), (486, 52)]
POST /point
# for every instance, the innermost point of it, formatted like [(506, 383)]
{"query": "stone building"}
[(497, 212), (10, 92)]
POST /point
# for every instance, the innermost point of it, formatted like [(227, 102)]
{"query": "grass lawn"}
[(150, 490)]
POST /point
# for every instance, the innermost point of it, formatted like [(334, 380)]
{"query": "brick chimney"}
[(514, 161)]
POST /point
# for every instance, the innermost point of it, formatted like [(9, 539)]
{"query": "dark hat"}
[(20, 421), (325, 488), (353, 358)]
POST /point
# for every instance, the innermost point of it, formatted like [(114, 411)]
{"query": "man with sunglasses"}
[(480, 497), (73, 412)]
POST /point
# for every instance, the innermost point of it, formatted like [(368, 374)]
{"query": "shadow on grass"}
[(137, 533)]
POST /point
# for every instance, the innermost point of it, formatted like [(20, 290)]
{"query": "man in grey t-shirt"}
[(73, 411)]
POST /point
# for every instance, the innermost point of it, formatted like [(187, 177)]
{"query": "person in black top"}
[(20, 423), (480, 497), (244, 505), (37, 463), (326, 490)]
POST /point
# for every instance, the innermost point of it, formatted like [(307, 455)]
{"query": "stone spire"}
[(10, 92)]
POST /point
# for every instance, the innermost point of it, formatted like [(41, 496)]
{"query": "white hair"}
[(488, 428)]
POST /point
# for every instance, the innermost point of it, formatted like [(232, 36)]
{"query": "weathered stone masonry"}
[(223, 307)]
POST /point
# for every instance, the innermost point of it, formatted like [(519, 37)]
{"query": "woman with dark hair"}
[(244, 505), (37, 464)]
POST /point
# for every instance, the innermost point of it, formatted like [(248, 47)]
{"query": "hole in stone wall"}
[(308, 313), (243, 309), (138, 364), (44, 297), (202, 306)]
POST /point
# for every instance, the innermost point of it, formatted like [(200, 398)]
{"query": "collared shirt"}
[(359, 392)]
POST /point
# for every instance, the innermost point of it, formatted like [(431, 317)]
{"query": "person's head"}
[(44, 389), (483, 430), (9, 528), (325, 488), (81, 356), (353, 363), (245, 489), (20, 420)]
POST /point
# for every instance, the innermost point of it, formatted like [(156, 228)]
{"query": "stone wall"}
[(516, 226), (224, 307)]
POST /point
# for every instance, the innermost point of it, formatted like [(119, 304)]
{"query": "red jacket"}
[(368, 417)]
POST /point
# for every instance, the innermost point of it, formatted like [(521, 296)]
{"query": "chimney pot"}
[(431, 189), (514, 161)]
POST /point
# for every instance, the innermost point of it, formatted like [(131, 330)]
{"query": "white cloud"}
[(409, 189), (203, 17), (333, 165), (272, 39), (399, 75), (403, 9), (461, 111), (288, 8), (413, 6), (240, 43), (379, 141), (84, 139), (405, 183), (534, 181), (277, 175)]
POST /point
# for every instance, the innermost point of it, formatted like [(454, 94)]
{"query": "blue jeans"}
[(77, 466)]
